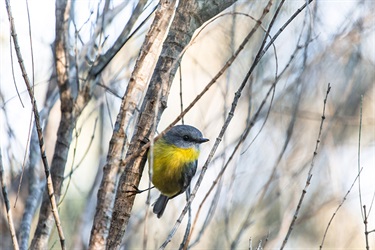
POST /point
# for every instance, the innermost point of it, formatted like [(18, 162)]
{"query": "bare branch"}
[(138, 82), (185, 22), (223, 129), (103, 60), (309, 175), (337, 209), (51, 196), (8, 210)]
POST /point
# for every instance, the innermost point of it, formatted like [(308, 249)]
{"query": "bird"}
[(174, 163)]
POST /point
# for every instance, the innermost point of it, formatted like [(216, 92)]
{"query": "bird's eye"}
[(186, 137)]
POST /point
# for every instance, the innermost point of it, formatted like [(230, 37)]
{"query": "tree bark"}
[(190, 15), (64, 134), (137, 84)]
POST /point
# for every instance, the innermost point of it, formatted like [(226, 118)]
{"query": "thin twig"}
[(247, 222), (181, 100), (123, 38), (366, 231), (118, 144), (203, 92), (35, 186), (244, 136), (85, 153), (210, 214), (151, 167), (38, 127), (359, 159), (62, 197), (24, 157), (33, 82), (7, 206), (309, 175), (337, 209), (183, 244), (13, 75), (224, 127), (35, 191), (31, 44)]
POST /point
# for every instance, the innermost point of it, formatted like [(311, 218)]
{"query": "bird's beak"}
[(202, 140)]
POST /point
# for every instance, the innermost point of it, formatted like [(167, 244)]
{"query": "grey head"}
[(184, 136)]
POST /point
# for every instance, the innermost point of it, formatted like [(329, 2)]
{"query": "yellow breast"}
[(168, 164)]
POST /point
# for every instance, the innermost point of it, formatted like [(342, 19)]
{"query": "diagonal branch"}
[(103, 60), (50, 188), (7, 205), (137, 84), (189, 16), (309, 175)]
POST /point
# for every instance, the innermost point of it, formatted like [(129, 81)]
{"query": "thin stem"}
[(7, 206), (38, 127), (309, 175)]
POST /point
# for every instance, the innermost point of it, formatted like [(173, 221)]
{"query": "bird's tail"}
[(160, 205)]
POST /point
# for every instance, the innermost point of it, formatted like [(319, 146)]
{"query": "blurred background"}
[(330, 42)]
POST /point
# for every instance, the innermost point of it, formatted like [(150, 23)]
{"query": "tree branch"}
[(103, 60), (138, 82), (187, 19), (50, 199), (12, 231)]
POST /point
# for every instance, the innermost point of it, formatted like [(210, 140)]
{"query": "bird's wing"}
[(188, 174)]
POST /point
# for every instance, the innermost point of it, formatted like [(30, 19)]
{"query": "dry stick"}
[(271, 177), (309, 175), (38, 127), (230, 188), (84, 154), (365, 215), (90, 48), (34, 191), (103, 60), (244, 135), (113, 92), (7, 206), (62, 197), (246, 223), (188, 224), (101, 41), (226, 124), (14, 78), (33, 81), (30, 125), (181, 100), (365, 222), (187, 192), (218, 178), (337, 209), (151, 163), (359, 159), (24, 157), (35, 186), (210, 214), (198, 97), (145, 63)]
